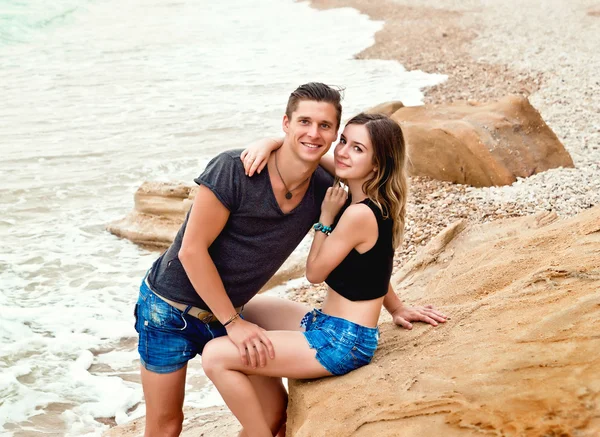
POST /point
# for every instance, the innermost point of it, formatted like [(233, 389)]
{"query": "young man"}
[(238, 233)]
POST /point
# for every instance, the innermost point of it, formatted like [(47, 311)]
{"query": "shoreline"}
[(444, 34)]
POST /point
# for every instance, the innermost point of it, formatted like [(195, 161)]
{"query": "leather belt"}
[(204, 316)]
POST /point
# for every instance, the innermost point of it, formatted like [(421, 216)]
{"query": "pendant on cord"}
[(288, 194)]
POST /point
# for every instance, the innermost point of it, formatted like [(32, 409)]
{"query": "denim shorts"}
[(342, 346), (168, 338)]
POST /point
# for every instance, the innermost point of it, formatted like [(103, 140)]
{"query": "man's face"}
[(311, 129)]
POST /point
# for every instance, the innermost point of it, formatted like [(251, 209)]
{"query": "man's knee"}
[(164, 425)]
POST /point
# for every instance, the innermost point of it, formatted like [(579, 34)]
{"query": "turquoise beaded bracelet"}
[(321, 227)]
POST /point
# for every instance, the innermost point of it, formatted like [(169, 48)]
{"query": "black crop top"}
[(366, 276)]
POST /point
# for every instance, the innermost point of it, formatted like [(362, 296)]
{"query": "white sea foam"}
[(96, 102)]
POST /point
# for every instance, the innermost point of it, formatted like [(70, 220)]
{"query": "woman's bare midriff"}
[(363, 312)]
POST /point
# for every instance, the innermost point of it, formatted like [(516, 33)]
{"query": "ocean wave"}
[(21, 21)]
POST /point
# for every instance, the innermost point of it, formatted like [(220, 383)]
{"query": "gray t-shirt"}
[(256, 240)]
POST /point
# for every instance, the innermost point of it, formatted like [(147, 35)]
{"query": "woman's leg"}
[(275, 314), (221, 361)]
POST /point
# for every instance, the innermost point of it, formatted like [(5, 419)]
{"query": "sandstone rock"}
[(387, 108), (520, 356), (159, 211), (480, 144)]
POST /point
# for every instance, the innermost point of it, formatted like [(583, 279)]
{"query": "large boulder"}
[(387, 108), (519, 357), (480, 144)]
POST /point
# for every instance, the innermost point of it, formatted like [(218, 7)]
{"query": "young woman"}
[(352, 251)]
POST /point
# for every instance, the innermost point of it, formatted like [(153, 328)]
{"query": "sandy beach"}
[(545, 50)]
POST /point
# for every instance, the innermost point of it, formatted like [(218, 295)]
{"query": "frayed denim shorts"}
[(342, 346), (168, 338)]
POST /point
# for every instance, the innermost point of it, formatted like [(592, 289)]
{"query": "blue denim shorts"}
[(342, 346), (168, 338)]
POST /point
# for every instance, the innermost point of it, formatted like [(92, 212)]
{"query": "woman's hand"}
[(256, 155), (428, 314), (335, 198)]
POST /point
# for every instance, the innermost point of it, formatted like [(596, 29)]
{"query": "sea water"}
[(96, 97)]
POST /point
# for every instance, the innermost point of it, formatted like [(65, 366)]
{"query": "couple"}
[(240, 230)]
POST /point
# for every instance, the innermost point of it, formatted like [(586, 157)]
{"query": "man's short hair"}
[(317, 92)]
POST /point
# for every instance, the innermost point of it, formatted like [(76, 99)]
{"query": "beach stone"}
[(523, 298), (387, 108), (480, 144)]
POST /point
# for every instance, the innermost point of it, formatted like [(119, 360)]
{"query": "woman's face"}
[(354, 154)]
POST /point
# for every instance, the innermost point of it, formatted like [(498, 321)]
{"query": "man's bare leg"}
[(164, 393)]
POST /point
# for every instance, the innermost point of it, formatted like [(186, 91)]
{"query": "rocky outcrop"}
[(480, 144), (519, 357), (159, 211)]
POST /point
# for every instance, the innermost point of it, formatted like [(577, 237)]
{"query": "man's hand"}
[(403, 315), (251, 341)]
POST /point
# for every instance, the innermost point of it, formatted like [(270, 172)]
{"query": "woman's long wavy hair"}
[(388, 188)]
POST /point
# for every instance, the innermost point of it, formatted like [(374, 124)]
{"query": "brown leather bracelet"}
[(231, 319)]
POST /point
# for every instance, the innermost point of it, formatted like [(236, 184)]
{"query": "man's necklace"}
[(288, 194)]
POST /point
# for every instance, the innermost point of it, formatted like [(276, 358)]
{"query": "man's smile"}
[(311, 145)]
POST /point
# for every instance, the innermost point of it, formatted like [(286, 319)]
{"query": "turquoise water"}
[(22, 21), (98, 97)]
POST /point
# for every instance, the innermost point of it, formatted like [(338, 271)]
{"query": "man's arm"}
[(256, 156), (207, 219), (328, 164)]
